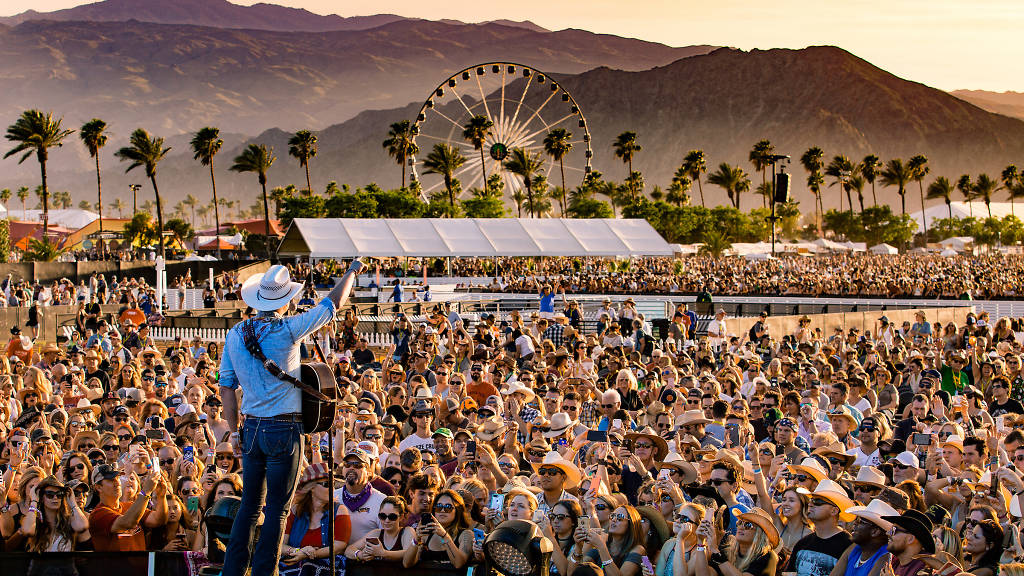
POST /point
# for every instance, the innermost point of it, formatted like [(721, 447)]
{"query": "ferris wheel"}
[(522, 106)]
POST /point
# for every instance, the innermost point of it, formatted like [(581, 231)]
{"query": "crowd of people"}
[(897, 450)]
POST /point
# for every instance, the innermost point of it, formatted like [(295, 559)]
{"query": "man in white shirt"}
[(717, 331), (422, 438), (867, 453), (358, 495)]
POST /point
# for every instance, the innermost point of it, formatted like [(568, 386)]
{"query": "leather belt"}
[(292, 417)]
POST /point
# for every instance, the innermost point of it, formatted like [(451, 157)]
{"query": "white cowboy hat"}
[(560, 423), (835, 494), (270, 290), (517, 386), (810, 466), (674, 460), (691, 417), (873, 513), (572, 473), (870, 476)]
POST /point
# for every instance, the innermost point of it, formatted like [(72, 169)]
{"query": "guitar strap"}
[(252, 344)]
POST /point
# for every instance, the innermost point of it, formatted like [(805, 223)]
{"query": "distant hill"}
[(1005, 103), (722, 102), (215, 13), (176, 78)]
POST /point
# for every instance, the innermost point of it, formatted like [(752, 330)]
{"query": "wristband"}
[(699, 548), (606, 562)]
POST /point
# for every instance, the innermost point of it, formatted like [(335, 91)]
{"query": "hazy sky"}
[(946, 44)]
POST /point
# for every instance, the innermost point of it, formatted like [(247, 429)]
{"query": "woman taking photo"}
[(388, 542), (53, 522), (676, 557), (559, 526), (442, 537), (982, 547), (619, 552), (306, 536), (756, 539)]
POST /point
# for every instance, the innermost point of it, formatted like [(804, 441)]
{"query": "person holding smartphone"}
[(388, 542), (444, 535)]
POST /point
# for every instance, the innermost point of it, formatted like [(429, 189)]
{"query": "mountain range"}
[(221, 14), (1005, 103)]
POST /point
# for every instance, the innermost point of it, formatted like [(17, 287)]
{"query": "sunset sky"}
[(942, 43)]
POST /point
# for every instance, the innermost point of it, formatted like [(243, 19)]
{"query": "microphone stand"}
[(330, 518)]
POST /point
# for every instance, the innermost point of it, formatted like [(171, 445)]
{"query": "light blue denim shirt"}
[(262, 394)]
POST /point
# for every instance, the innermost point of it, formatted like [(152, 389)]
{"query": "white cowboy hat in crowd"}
[(270, 290), (560, 423), (572, 473)]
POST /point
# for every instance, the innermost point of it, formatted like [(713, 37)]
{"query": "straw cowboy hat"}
[(843, 412), (956, 442), (84, 406), (26, 391), (674, 460), (517, 386), (760, 519), (811, 467), (834, 493), (691, 417), (556, 460), (50, 348), (722, 455), (660, 446), (491, 428), (271, 290), (836, 450), (873, 513), (560, 424), (870, 476)]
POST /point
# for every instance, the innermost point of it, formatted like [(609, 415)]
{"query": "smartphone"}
[(192, 504), (670, 434), (646, 563), (479, 535), (154, 434), (585, 522), (1000, 423), (154, 422), (734, 433), (597, 436), (426, 518), (189, 454), (471, 448), (922, 439), (373, 540), (155, 463), (617, 423), (663, 474), (497, 502)]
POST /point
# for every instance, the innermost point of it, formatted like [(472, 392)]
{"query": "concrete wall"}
[(47, 272), (782, 325)]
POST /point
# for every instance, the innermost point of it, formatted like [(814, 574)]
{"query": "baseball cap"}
[(370, 448), (442, 432), (104, 472), (908, 459), (359, 454)]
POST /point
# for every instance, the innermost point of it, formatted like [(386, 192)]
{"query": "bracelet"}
[(699, 548), (606, 562), (32, 509)]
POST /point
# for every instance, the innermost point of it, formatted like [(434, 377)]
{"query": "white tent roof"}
[(957, 242), (884, 249), (965, 210), (70, 218), (830, 245), (468, 237)]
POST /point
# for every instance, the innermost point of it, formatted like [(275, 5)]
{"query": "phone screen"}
[(471, 448), (189, 454), (497, 502), (597, 436), (192, 504)]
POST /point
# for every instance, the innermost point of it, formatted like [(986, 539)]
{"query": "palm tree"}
[(279, 194), (205, 145), (856, 183), (302, 145), (696, 164), (677, 190), (966, 189), (445, 160), (526, 165), (118, 205), (897, 174), (813, 161), (918, 166), (401, 144), (5, 197), (716, 242), (984, 188), (191, 201), (869, 168), (733, 180), (93, 135), (557, 145), (815, 180), (942, 189), (36, 132), (626, 147), (760, 157), (85, 205), (203, 211), (476, 131), (258, 158), (147, 151), (842, 169), (1009, 178), (23, 196)]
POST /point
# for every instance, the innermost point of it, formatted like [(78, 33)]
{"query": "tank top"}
[(397, 544), (854, 567)]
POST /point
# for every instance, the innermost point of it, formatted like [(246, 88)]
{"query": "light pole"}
[(774, 159), (135, 192)]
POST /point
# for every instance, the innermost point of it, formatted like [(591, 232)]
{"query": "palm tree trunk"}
[(483, 166), (903, 201), (216, 207), (874, 199), (849, 198), (308, 185), (529, 195), (949, 206), (988, 205), (99, 198), (561, 167), (46, 205), (924, 217), (401, 166), (860, 200), (266, 215), (701, 188), (159, 216), (764, 182)]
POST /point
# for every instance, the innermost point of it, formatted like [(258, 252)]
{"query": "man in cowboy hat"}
[(868, 485), (870, 534), (816, 554), (556, 476), (910, 535), (272, 407), (693, 422)]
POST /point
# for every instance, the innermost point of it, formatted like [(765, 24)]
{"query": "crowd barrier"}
[(171, 564)]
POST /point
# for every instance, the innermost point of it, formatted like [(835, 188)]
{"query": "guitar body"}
[(317, 415)]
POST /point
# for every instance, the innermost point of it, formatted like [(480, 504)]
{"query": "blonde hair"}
[(531, 500), (759, 547)]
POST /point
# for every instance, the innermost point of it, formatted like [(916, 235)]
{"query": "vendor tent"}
[(884, 249), (471, 237)]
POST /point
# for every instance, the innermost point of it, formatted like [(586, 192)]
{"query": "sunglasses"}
[(551, 471), (190, 491), (444, 507), (53, 494), (167, 461), (120, 419), (600, 507), (606, 406), (76, 467), (392, 517), (81, 490), (746, 525), (124, 437), (620, 516), (646, 445), (719, 481), (800, 477), (111, 448), (373, 437), (820, 502), (537, 453), (866, 489), (86, 447), (867, 428)]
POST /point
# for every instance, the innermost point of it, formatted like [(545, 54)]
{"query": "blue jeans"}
[(271, 451)]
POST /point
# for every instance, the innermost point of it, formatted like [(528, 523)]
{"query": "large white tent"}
[(965, 210), (70, 218), (471, 237)]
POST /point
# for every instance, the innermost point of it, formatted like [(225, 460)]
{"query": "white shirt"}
[(524, 345), (716, 332), (364, 519), (862, 459), (414, 441)]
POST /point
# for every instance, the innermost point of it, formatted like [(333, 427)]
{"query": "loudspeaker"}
[(782, 187)]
